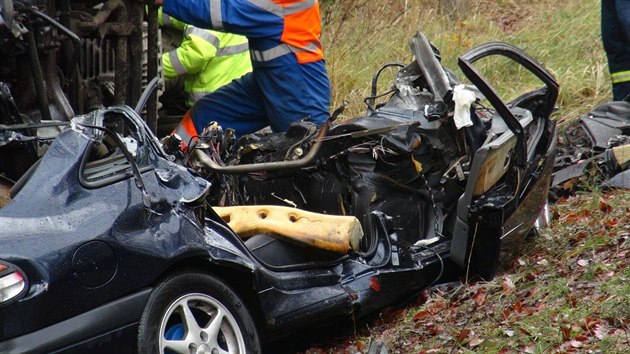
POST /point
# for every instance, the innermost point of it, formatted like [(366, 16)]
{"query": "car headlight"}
[(12, 282)]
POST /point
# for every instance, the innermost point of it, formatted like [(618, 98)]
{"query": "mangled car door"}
[(520, 141), (157, 191)]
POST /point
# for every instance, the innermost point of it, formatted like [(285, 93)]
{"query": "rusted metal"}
[(103, 15), (204, 159), (136, 11), (122, 72), (152, 66)]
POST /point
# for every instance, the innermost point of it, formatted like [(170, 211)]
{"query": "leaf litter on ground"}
[(568, 293)]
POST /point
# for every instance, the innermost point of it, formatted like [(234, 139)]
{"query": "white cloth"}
[(463, 97)]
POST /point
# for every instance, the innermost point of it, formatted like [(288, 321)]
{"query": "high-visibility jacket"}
[(277, 27), (207, 60), (165, 20), (285, 50)]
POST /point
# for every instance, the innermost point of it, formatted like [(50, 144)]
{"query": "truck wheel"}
[(196, 313)]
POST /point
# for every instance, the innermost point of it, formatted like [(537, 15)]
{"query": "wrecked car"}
[(109, 244), (594, 151)]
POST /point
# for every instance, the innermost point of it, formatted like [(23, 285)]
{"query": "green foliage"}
[(361, 35), (569, 292)]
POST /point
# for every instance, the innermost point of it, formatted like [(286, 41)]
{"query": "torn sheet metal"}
[(403, 170), (620, 180), (596, 149), (605, 122)]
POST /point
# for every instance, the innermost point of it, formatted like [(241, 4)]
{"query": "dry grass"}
[(569, 292), (360, 35)]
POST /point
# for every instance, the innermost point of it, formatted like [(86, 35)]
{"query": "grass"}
[(569, 291), (359, 36)]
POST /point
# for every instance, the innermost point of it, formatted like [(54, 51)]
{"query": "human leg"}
[(296, 92), (615, 26), (237, 105)]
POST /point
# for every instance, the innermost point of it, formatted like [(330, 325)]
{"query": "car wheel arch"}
[(238, 278)]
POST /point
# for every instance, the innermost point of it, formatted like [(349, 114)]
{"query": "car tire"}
[(180, 317)]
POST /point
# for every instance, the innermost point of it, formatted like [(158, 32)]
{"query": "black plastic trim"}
[(105, 181), (114, 315)]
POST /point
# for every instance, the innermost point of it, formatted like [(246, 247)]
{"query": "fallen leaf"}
[(437, 305), (422, 298), (581, 338), (580, 216), (612, 222), (529, 349), (566, 333), (617, 331), (435, 329), (518, 306), (602, 298), (604, 207), (580, 236), (582, 262), (576, 344), (508, 285), (524, 331), (589, 323), (528, 311), (422, 314), (480, 297), (464, 334), (599, 331), (389, 315), (506, 313), (475, 342)]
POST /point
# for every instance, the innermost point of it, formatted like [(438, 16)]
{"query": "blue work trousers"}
[(616, 39), (274, 97)]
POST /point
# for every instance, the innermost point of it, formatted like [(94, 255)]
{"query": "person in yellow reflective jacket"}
[(206, 59), (165, 20)]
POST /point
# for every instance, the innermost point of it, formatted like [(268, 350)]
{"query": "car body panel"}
[(106, 214), (55, 229)]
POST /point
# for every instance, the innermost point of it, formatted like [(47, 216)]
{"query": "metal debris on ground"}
[(594, 152)]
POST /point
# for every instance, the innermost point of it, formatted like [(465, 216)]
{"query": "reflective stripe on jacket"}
[(208, 60), (289, 80), (619, 77), (287, 26), (165, 20)]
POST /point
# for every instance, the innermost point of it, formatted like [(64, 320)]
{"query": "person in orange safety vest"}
[(289, 81)]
